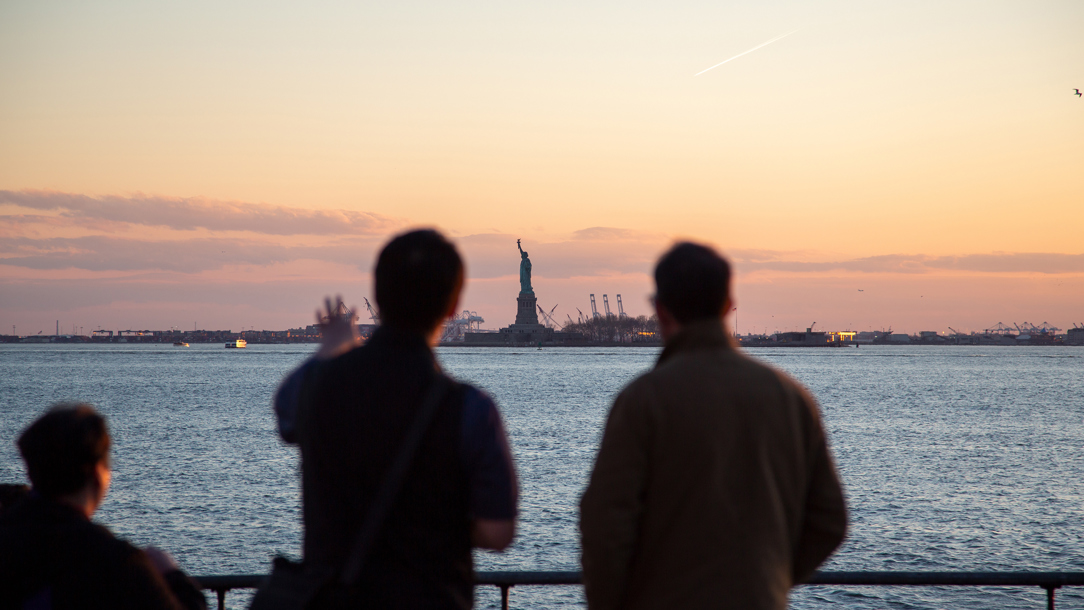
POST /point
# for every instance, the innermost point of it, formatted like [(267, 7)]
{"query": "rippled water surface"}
[(954, 458)]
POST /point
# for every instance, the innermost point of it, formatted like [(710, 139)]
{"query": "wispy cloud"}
[(104, 253), (191, 213), (998, 262)]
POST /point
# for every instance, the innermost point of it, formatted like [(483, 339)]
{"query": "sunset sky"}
[(913, 165)]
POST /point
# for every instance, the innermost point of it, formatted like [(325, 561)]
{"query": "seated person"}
[(51, 554)]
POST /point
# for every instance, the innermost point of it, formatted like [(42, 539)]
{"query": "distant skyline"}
[(915, 166)]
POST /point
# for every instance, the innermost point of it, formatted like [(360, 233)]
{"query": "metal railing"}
[(1049, 581)]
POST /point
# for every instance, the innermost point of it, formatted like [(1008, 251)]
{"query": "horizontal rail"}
[(506, 580)]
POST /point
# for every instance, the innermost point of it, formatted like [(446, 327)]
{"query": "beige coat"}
[(714, 486)]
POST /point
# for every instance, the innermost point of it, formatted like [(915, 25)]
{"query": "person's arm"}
[(287, 401), (338, 335), (491, 475), (151, 580), (183, 588), (613, 504), (825, 522)]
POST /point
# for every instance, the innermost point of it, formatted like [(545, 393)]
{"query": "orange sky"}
[(228, 165)]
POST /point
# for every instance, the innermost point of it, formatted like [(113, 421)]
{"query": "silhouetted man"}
[(51, 555), (349, 409), (714, 486)]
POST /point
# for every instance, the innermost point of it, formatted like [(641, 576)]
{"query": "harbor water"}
[(953, 458)]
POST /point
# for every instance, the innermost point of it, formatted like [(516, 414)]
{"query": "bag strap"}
[(393, 481)]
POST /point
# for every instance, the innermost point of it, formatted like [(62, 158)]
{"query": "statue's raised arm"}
[(524, 271)]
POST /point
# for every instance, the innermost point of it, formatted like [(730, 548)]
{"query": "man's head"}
[(692, 283), (67, 452), (418, 278)]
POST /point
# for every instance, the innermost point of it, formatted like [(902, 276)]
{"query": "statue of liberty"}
[(524, 271)]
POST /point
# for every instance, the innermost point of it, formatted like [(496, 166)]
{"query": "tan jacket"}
[(714, 486)]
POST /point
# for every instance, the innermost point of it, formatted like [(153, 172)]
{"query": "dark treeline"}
[(614, 329)]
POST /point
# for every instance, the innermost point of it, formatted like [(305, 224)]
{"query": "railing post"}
[(221, 599), (1050, 596), (504, 596)]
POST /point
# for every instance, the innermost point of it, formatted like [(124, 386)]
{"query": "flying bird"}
[(860, 290), (763, 44), (1077, 92)]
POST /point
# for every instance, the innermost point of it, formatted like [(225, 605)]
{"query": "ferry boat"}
[(238, 343), (180, 344)]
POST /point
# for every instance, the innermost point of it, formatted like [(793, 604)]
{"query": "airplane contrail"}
[(764, 44)]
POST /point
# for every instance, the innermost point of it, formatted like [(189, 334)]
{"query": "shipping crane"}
[(372, 314), (620, 308), (606, 305), (999, 329), (594, 309), (581, 314), (341, 310), (548, 317), (456, 328)]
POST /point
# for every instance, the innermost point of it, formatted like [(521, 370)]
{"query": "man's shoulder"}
[(99, 544), (40, 526), (475, 398), (358, 365), (710, 361), (480, 415), (702, 368)]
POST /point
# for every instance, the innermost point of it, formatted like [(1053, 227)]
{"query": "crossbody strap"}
[(393, 480)]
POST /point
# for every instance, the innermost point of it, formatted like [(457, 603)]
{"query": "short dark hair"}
[(418, 274), (62, 448), (692, 281)]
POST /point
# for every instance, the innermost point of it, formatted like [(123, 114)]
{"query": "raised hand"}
[(338, 333)]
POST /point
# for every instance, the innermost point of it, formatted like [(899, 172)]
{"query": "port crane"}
[(999, 329), (372, 314), (548, 317), (581, 315), (340, 310), (620, 308), (594, 309), (456, 328), (606, 305)]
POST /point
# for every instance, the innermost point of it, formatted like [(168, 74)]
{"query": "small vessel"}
[(180, 344), (238, 343)]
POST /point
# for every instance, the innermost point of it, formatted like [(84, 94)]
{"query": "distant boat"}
[(238, 343), (180, 344)]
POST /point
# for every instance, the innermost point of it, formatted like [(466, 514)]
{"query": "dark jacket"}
[(354, 412), (714, 486), (52, 556)]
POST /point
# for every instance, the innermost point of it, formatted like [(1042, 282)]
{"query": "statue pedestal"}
[(526, 331), (528, 309)]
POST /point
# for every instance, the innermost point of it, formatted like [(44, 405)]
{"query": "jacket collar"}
[(701, 334), (402, 339)]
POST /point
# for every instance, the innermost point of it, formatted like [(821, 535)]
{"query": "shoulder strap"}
[(393, 480)]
